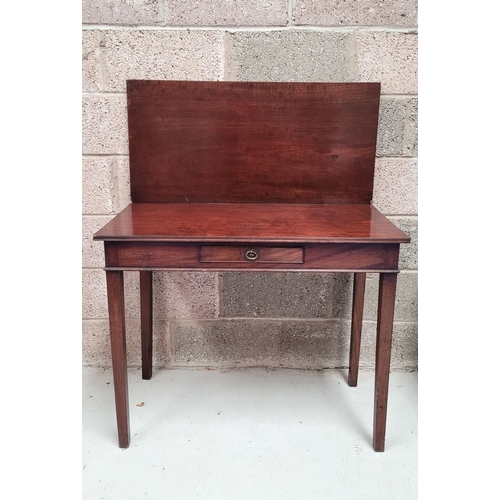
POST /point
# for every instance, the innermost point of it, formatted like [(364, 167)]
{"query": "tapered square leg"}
[(386, 300), (356, 324), (116, 309), (146, 286)]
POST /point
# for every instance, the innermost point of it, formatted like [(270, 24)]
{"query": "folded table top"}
[(251, 223), (252, 142), (247, 162)]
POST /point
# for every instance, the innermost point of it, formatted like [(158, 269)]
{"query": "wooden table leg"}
[(356, 324), (116, 309), (146, 286), (385, 318)]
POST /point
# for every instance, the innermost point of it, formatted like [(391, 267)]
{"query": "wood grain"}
[(186, 256), (116, 308), (201, 142), (146, 292), (285, 169), (246, 223), (356, 325), (385, 317), (223, 253)]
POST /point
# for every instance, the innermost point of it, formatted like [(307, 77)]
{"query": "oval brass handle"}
[(252, 254)]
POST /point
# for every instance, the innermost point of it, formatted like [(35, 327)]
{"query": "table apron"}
[(368, 257)]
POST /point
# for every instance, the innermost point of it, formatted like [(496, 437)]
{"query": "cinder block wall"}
[(238, 319)]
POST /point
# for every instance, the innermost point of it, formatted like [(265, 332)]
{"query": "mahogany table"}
[(250, 176)]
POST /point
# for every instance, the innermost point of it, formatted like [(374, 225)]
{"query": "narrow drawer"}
[(219, 253)]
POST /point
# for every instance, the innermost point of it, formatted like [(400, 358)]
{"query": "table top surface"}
[(251, 223)]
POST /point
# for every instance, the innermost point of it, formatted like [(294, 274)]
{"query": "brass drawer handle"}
[(252, 254)]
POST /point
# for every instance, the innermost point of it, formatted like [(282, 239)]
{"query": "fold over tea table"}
[(250, 176)]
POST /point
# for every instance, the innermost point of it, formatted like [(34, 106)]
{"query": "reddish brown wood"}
[(116, 308), (386, 300), (218, 168), (392, 257), (220, 253), (251, 223), (348, 257), (356, 324), (252, 142), (134, 255), (146, 287)]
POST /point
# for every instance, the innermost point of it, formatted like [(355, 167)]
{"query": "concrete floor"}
[(248, 434)]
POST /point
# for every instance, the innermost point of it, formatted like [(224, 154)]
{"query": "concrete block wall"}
[(235, 319)]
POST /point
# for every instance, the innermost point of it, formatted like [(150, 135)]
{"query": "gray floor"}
[(249, 434)]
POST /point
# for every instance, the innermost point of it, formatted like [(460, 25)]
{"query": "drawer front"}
[(260, 254)]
